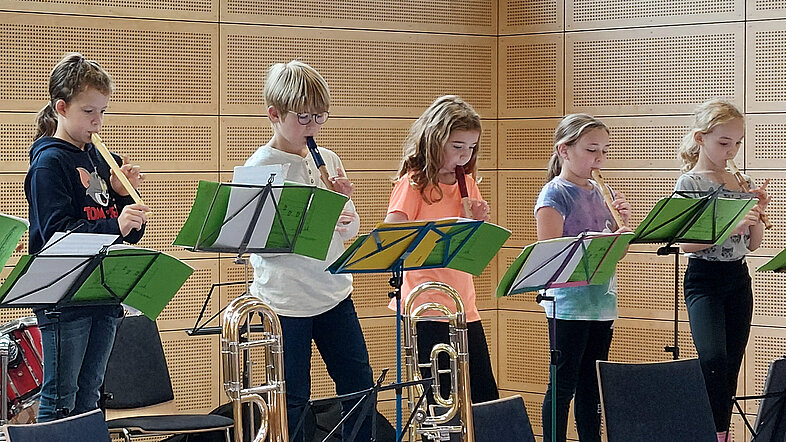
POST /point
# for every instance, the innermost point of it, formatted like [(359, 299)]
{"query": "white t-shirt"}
[(295, 285)]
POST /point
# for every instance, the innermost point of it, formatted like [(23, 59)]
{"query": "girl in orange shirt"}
[(445, 136)]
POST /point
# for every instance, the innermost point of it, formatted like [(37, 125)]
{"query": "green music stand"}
[(141, 278), (700, 217), (589, 258), (460, 244)]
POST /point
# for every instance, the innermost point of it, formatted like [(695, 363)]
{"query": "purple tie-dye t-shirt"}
[(582, 210)]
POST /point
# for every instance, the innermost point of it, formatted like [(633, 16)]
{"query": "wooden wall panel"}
[(764, 58), (585, 14), (765, 345), (765, 9), (469, 17), (170, 196), (203, 10), (194, 368), (183, 310), (526, 144), (164, 143), (518, 191), (764, 141), (156, 143), (531, 76), (369, 73), (529, 16), (653, 70), (769, 288), (157, 67), (523, 352), (646, 286)]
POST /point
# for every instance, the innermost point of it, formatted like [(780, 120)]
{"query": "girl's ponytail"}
[(46, 122)]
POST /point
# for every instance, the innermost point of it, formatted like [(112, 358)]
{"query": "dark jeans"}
[(483, 387), (720, 306), (580, 344), (339, 339), (76, 350)]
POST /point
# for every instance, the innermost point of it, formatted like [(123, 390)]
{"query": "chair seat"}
[(172, 423)]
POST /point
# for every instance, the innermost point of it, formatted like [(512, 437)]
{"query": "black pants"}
[(483, 387), (580, 344), (720, 306)]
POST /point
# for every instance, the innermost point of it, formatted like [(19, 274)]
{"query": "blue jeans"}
[(76, 348), (340, 341)]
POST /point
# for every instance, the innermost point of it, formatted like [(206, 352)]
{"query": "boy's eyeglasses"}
[(305, 118)]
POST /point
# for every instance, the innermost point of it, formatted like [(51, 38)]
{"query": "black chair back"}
[(501, 420), (137, 360), (661, 401), (88, 426)]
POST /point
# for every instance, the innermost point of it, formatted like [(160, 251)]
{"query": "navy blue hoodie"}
[(66, 187)]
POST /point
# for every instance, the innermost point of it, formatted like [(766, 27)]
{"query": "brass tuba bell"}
[(269, 397), (427, 422)]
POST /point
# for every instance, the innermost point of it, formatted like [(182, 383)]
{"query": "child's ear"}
[(273, 114), (60, 107), (562, 149), (698, 137)]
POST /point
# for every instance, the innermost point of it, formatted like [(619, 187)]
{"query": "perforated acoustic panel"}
[(765, 89), (523, 351), (645, 283), (518, 191), (13, 202), (769, 288), (16, 136), (653, 70), (585, 14), (765, 9), (764, 142), (184, 308), (765, 345), (361, 143), (194, 368), (206, 10), (369, 73), (470, 17), (643, 340), (526, 144), (157, 67), (645, 143), (773, 241), (531, 80), (526, 16), (170, 196), (164, 143), (380, 335)]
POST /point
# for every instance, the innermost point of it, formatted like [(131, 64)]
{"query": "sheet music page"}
[(82, 244), (233, 230), (544, 262), (43, 271)]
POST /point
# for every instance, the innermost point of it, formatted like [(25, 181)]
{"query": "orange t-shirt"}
[(407, 200)]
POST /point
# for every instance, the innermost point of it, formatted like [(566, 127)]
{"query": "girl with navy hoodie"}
[(69, 187)]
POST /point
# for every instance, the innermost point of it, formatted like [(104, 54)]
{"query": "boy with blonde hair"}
[(312, 304)]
